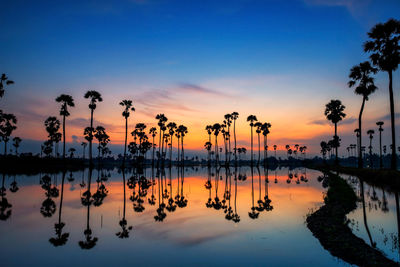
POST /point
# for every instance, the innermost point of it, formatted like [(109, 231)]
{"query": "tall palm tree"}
[(4, 81), (371, 136), (380, 124), (251, 119), (84, 144), (334, 113), (235, 116), (7, 126), (275, 147), (16, 143), (153, 133), (228, 119), (209, 130), (94, 97), (216, 128), (171, 129), (265, 131), (66, 101), (384, 46), (182, 131), (128, 107), (360, 76), (258, 126), (161, 123)]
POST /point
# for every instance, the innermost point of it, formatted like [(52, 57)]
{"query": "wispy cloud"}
[(193, 88), (325, 122)]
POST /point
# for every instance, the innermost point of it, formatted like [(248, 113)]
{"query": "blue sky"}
[(287, 55)]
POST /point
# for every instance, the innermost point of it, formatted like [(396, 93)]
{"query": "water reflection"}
[(186, 209)]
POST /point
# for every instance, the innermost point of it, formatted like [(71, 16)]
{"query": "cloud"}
[(355, 7), (83, 123), (193, 88), (387, 117), (326, 122)]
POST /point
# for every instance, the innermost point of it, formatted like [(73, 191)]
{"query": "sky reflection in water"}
[(193, 232)]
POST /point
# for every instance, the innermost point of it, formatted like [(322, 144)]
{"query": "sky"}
[(194, 61)]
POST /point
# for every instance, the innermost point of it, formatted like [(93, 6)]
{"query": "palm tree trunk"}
[(183, 152), (251, 130), (63, 137), (259, 150), (152, 161), (360, 158), (170, 152), (380, 150), (392, 123), (234, 136), (336, 146), (126, 140), (91, 139), (159, 148)]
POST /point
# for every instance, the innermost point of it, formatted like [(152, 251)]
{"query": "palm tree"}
[(124, 233), (65, 100), (385, 54), (235, 116), (84, 144), (228, 120), (182, 131), (265, 131), (153, 133), (251, 119), (94, 97), (275, 147), (128, 108), (16, 143), (171, 129), (360, 75), (216, 128), (71, 152), (258, 126), (7, 126), (334, 113), (371, 136), (161, 123), (380, 123), (4, 80)]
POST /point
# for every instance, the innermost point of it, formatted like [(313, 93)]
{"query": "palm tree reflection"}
[(5, 206), (124, 233), (48, 207), (61, 238), (89, 242)]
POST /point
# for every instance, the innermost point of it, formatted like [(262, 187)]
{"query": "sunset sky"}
[(194, 61)]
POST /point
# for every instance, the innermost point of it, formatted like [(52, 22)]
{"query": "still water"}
[(178, 217)]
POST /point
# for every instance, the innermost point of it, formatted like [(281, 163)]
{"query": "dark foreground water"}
[(181, 217)]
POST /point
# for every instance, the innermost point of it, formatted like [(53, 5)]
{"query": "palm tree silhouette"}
[(360, 76), (380, 124), (7, 126), (5, 206), (209, 130), (71, 152), (373, 244), (385, 54), (84, 144), (128, 107), (153, 133), (61, 238), (182, 131), (161, 123), (94, 97), (171, 129), (16, 143), (235, 116), (265, 131), (251, 119), (371, 136), (4, 81), (65, 100), (253, 214), (334, 113), (216, 128), (228, 120), (258, 126), (275, 147)]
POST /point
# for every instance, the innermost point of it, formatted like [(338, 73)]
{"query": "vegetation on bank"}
[(330, 225)]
